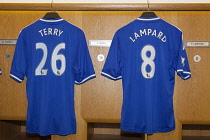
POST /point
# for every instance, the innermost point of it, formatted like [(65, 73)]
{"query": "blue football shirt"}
[(53, 55), (145, 54)]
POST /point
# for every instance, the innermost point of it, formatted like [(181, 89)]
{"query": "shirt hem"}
[(145, 131), (51, 133), (86, 79), (110, 77)]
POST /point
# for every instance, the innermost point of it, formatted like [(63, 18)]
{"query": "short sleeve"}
[(112, 68), (18, 68), (181, 60), (83, 67)]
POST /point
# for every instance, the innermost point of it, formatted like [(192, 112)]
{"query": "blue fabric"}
[(50, 90), (145, 54)]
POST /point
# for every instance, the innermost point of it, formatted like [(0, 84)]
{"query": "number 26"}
[(55, 56)]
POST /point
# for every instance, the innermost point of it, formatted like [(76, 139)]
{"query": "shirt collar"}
[(51, 20), (148, 18)]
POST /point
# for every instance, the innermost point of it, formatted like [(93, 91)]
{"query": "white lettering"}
[(164, 39), (146, 32), (136, 35), (45, 32), (132, 39), (160, 34), (55, 31), (149, 31), (60, 32), (143, 32), (154, 33), (41, 32), (49, 31)]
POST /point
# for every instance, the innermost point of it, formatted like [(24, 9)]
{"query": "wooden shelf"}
[(106, 6)]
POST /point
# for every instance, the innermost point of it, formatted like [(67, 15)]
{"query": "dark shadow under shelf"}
[(113, 137), (26, 136)]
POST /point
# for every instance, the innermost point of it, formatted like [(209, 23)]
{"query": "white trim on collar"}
[(148, 18), (51, 20)]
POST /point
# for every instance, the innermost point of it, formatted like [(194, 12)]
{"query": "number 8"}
[(148, 61)]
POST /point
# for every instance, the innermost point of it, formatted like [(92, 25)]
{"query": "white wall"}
[(105, 1)]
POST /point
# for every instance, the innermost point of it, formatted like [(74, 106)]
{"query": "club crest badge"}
[(182, 60)]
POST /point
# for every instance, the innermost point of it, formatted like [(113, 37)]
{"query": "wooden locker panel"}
[(195, 101), (11, 22), (13, 101), (192, 96), (12, 98), (102, 97)]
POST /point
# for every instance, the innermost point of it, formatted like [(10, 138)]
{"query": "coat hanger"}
[(53, 14), (148, 13)]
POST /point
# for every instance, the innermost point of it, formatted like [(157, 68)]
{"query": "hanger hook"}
[(148, 5), (52, 5)]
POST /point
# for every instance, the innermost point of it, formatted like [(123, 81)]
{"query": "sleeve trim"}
[(180, 70), (86, 79), (16, 78), (187, 77), (109, 76), (186, 72)]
